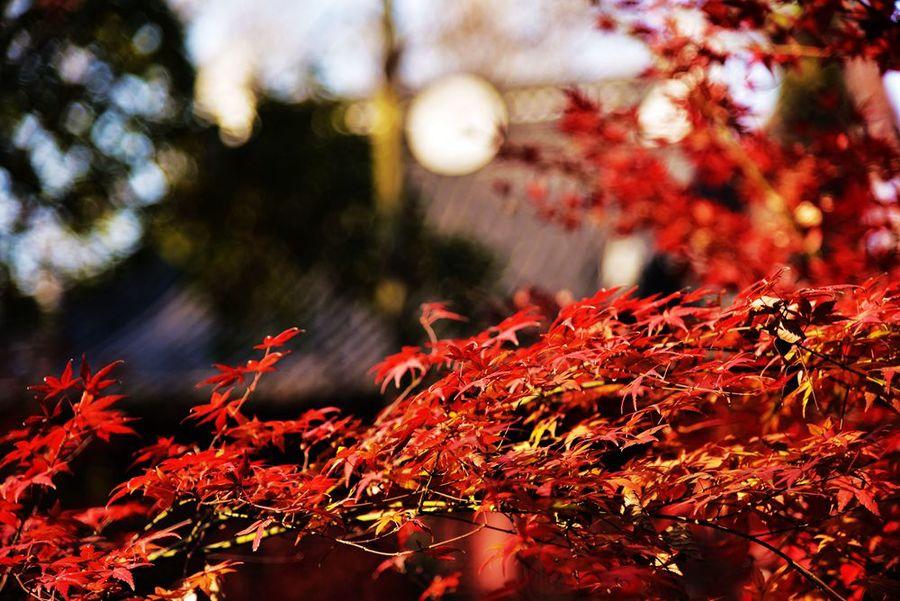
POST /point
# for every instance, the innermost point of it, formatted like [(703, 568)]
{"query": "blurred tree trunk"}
[(866, 88)]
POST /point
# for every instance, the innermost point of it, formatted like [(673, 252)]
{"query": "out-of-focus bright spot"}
[(46, 253), (107, 132), (57, 170), (78, 118), (224, 95), (146, 98), (147, 39), (751, 85), (73, 64), (148, 182), (10, 207), (48, 291), (690, 23), (807, 214), (390, 294), (359, 117), (892, 88), (622, 261), (455, 126), (15, 8), (175, 163), (881, 241), (660, 116), (886, 191)]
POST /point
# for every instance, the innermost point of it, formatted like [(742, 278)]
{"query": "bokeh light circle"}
[(456, 125), (661, 117)]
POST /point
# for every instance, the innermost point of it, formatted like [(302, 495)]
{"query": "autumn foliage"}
[(625, 446), (610, 436), (816, 191)]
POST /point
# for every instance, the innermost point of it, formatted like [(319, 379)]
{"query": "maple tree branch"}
[(246, 538), (457, 518), (429, 547), (844, 366), (428, 484)]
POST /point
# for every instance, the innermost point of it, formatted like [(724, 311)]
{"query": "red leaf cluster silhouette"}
[(819, 195)]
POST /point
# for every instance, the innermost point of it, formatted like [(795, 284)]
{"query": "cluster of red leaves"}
[(836, 27), (614, 438), (35, 531), (823, 200)]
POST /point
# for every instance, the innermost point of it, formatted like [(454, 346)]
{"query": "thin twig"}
[(808, 575)]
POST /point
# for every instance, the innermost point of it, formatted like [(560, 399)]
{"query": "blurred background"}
[(179, 178)]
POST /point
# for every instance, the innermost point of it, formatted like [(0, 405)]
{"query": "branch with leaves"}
[(609, 436)]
